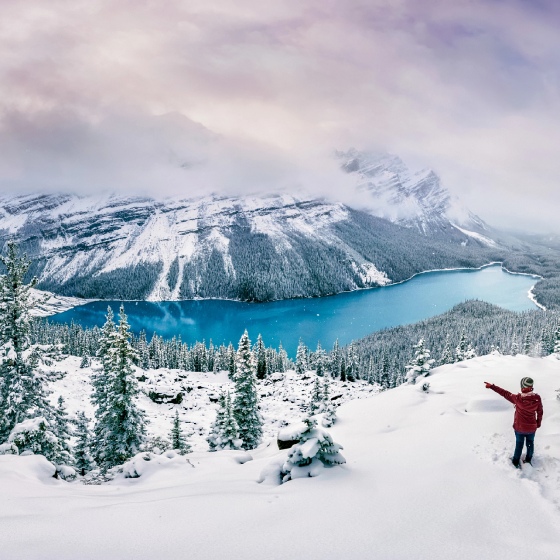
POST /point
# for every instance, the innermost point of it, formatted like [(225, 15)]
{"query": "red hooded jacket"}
[(528, 409)]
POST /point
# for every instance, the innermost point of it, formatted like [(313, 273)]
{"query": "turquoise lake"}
[(346, 316)]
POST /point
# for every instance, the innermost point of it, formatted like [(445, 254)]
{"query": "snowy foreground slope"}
[(428, 476)]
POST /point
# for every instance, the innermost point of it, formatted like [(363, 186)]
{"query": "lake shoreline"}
[(74, 302), (345, 316)]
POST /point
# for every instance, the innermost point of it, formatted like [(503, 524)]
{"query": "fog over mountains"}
[(252, 248)]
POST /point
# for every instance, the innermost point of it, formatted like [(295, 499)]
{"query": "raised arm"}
[(506, 394)]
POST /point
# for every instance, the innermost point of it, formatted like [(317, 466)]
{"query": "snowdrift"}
[(428, 476)]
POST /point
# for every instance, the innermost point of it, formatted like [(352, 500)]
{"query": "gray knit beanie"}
[(526, 382)]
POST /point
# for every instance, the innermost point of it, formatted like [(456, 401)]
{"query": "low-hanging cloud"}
[(193, 97)]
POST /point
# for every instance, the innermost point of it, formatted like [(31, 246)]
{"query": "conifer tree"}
[(447, 354), (120, 428), (556, 338), (385, 370), (224, 433), (282, 358), (421, 364), (100, 380), (464, 350), (329, 408), (61, 429), (317, 398), (86, 361), (260, 355), (320, 360), (22, 393), (335, 360), (231, 360), (83, 458), (246, 408), (301, 358), (527, 342), (178, 441), (37, 435), (352, 363)]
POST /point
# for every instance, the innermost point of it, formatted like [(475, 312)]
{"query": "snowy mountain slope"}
[(251, 248), (412, 199), (427, 477)]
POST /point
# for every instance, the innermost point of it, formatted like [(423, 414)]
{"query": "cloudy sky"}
[(241, 95)]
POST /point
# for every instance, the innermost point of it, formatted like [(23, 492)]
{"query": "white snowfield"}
[(428, 476)]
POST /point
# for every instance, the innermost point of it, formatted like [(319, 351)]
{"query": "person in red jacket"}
[(527, 419)]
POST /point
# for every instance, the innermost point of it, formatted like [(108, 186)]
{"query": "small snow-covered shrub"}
[(147, 464), (9, 449), (156, 445), (329, 415), (314, 451), (35, 436), (66, 473)]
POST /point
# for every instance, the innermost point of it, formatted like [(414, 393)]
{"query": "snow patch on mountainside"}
[(49, 304), (369, 273), (479, 237)]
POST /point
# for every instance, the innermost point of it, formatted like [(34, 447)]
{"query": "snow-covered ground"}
[(284, 398), (428, 476)]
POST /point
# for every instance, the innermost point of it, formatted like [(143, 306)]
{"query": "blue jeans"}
[(520, 438)]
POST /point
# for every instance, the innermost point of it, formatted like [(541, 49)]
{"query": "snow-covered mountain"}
[(412, 199), (252, 247)]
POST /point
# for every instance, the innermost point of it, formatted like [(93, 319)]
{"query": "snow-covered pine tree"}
[(86, 361), (246, 405), (36, 435), (231, 360), (177, 438), (315, 446), (335, 360), (121, 425), (351, 363), (301, 358), (22, 392), (421, 364), (143, 351), (61, 429), (320, 360), (83, 459), (464, 350), (282, 358), (556, 338), (224, 433), (100, 380), (216, 428), (317, 398), (260, 358), (385, 372), (329, 408), (447, 354), (527, 342)]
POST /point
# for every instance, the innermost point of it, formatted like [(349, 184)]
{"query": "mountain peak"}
[(414, 199)]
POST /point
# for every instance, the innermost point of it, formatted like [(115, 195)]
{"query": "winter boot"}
[(515, 463)]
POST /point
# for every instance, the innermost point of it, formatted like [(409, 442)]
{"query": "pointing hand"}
[(488, 385)]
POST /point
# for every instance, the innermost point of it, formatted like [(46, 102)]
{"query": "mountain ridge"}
[(253, 248)]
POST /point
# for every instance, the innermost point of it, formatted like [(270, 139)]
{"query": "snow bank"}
[(26, 470)]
